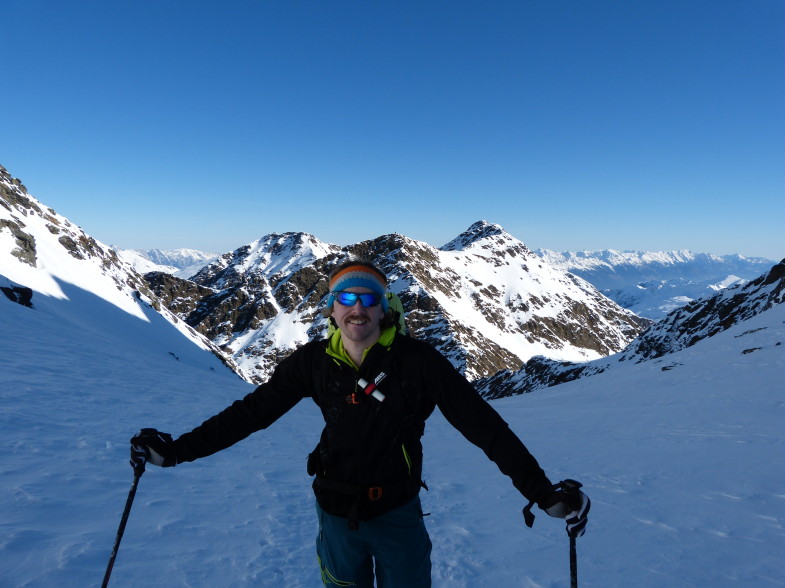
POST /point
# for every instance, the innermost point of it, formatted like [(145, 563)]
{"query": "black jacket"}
[(366, 445)]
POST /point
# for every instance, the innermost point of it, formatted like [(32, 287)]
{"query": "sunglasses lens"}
[(346, 298), (369, 300), (350, 299)]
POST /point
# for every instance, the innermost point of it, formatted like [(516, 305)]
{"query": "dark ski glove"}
[(565, 502), (577, 520), (150, 445)]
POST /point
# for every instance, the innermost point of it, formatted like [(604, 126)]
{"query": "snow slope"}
[(682, 457)]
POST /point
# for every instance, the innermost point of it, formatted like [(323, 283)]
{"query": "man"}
[(375, 388)]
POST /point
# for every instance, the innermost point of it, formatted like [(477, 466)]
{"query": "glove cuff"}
[(559, 510), (156, 458)]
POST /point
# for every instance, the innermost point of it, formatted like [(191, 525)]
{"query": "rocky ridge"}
[(680, 329), (40, 251)]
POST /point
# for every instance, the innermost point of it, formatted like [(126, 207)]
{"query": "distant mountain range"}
[(182, 263), (652, 284)]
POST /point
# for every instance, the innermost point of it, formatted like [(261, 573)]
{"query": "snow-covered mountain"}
[(652, 284), (708, 316), (182, 263), (680, 329), (44, 256), (483, 299)]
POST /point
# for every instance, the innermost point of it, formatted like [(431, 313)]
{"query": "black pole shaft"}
[(121, 529), (573, 564)]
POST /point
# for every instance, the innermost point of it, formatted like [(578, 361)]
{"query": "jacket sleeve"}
[(258, 410), (479, 423)]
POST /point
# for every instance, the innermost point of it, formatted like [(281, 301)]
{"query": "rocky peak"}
[(479, 231), (268, 256), (487, 305)]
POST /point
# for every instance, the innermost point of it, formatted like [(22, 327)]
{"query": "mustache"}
[(356, 315)]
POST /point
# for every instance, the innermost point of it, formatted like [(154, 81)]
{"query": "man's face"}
[(358, 323)]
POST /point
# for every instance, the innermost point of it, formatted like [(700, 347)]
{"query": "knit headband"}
[(358, 276)]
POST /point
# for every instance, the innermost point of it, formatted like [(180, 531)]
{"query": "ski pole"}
[(573, 564), (138, 471), (572, 487)]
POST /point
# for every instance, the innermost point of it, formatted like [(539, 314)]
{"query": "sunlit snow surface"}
[(682, 457)]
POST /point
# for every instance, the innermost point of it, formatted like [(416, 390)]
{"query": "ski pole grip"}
[(572, 492), (571, 487)]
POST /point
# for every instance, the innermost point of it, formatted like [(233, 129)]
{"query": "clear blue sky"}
[(654, 125)]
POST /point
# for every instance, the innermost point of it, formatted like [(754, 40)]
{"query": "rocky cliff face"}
[(259, 302)]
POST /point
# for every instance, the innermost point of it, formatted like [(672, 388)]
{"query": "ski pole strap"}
[(528, 517)]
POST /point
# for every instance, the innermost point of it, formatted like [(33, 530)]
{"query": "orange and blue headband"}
[(358, 276)]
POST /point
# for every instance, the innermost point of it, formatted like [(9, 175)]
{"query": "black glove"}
[(150, 445), (568, 502), (576, 521)]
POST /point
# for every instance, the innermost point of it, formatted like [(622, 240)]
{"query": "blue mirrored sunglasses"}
[(350, 298)]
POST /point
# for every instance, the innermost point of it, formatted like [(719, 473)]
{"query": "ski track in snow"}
[(683, 466)]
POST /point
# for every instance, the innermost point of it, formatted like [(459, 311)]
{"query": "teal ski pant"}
[(394, 546)]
